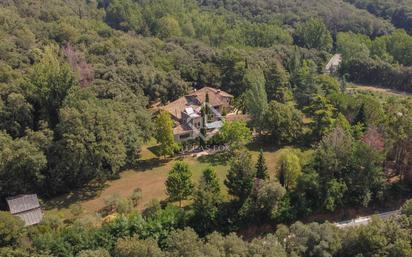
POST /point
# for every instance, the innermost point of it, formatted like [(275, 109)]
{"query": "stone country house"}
[(187, 117)]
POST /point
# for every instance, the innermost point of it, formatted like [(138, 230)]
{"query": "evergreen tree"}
[(205, 119), (361, 116), (323, 113), (206, 202), (203, 129), (207, 111), (239, 179), (261, 168), (277, 81), (210, 181), (179, 184), (255, 96)]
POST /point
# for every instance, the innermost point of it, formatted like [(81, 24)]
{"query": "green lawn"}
[(150, 177)]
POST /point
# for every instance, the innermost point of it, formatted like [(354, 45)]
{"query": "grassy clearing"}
[(378, 91), (150, 177)]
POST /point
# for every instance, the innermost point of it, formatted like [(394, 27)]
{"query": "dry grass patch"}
[(150, 177)]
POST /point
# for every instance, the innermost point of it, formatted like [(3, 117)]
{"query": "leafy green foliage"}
[(377, 61), (322, 112), (312, 239), (349, 170), (350, 18), (22, 165), (206, 203), (406, 208), (178, 184), (283, 122), (94, 253), (264, 200), (133, 246), (255, 96), (396, 11), (239, 179), (236, 134), (314, 34), (99, 133), (123, 14), (11, 229), (261, 168), (164, 133), (289, 169)]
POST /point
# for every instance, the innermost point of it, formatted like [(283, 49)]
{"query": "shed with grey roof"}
[(26, 207)]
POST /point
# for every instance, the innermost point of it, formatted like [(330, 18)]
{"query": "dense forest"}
[(78, 79), (399, 13), (337, 15)]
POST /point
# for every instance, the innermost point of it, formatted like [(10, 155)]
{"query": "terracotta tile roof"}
[(195, 99), (237, 117), (181, 128), (176, 107)]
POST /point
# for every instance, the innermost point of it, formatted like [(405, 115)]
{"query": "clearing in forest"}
[(150, 178)]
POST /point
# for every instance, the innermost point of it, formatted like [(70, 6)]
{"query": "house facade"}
[(186, 112)]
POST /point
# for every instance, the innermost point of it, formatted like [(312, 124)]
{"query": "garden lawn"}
[(150, 177)]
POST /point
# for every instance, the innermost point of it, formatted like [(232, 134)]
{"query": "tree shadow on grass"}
[(144, 165), (155, 150), (215, 159), (87, 192), (267, 145), (264, 145)]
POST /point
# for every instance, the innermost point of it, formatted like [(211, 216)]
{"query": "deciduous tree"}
[(314, 34), (164, 133), (289, 169), (283, 122), (179, 185), (11, 228), (236, 134)]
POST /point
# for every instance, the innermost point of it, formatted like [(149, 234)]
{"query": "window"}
[(184, 136)]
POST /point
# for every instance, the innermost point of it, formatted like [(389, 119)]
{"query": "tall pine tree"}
[(207, 199), (261, 168), (239, 179), (210, 181)]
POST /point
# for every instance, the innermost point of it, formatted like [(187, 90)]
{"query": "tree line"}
[(398, 12), (384, 61), (162, 232)]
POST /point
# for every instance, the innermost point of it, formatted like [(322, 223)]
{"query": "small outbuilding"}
[(26, 207)]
